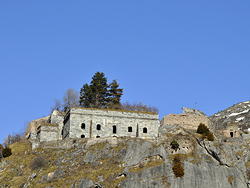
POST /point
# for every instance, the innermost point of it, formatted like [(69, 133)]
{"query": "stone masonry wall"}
[(188, 121), (57, 118), (106, 119), (47, 133)]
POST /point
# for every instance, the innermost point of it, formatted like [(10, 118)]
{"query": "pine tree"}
[(115, 95), (95, 95), (85, 96)]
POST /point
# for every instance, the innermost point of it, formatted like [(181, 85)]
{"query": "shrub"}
[(174, 145), (178, 170), (37, 162), (231, 179), (210, 136), (202, 129), (7, 152)]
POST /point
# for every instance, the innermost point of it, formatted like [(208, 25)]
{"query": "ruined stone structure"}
[(48, 132), (232, 131), (96, 123), (190, 119)]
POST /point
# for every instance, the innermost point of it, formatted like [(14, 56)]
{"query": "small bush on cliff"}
[(7, 152), (178, 170), (210, 136), (37, 162), (174, 145), (202, 129)]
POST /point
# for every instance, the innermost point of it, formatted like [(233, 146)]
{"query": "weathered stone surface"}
[(33, 126), (91, 123)]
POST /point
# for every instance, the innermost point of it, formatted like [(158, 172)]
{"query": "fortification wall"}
[(92, 123), (47, 133), (188, 121)]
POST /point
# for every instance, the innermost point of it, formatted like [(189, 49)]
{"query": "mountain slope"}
[(238, 114), (128, 162)]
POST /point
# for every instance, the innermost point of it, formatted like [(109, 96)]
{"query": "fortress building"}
[(98, 123), (95, 123)]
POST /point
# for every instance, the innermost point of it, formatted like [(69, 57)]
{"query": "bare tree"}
[(7, 141), (140, 107), (70, 99), (57, 105)]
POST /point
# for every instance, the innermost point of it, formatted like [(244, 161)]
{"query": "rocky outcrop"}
[(131, 162), (238, 114), (32, 126)]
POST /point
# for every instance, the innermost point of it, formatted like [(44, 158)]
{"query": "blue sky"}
[(168, 54)]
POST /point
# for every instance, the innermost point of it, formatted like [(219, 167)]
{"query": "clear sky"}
[(168, 54)]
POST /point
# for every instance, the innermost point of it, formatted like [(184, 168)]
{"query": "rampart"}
[(96, 123), (188, 121)]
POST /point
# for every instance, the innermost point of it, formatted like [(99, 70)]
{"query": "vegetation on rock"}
[(202, 129), (210, 136), (7, 152), (178, 170), (174, 145), (37, 162)]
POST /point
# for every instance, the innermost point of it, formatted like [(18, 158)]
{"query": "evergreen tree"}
[(115, 95), (95, 95), (86, 96)]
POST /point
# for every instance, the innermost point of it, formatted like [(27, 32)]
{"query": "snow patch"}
[(246, 102), (235, 114), (239, 119)]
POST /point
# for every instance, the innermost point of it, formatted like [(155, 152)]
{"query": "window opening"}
[(114, 129), (83, 126), (98, 137), (82, 136), (145, 130), (129, 129), (98, 127), (231, 134)]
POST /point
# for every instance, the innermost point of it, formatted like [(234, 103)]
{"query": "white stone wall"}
[(57, 118), (47, 133), (107, 119)]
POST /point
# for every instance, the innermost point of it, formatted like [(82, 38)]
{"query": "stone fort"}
[(99, 123), (96, 123)]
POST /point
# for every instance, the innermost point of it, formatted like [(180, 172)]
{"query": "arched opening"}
[(130, 129), (82, 136), (83, 126), (145, 130), (114, 129), (98, 136), (232, 134), (98, 127)]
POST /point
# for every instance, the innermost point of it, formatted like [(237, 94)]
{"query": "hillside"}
[(238, 114), (128, 162)]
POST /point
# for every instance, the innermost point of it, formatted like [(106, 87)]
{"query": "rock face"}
[(132, 162)]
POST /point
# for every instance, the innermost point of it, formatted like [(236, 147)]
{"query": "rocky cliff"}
[(129, 162)]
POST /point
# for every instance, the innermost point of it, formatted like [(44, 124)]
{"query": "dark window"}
[(82, 136), (114, 129), (145, 130), (83, 126), (129, 129), (62, 132), (98, 127), (98, 137), (232, 134)]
